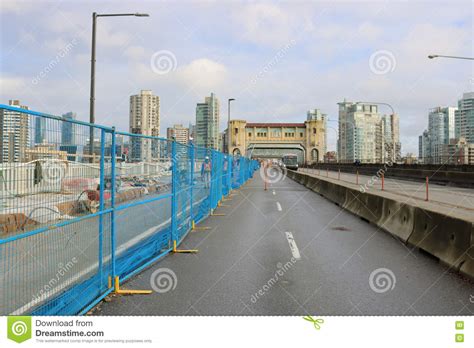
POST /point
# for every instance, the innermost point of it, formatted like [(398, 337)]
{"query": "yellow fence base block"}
[(119, 291), (175, 250), (220, 203), (196, 228), (216, 214)]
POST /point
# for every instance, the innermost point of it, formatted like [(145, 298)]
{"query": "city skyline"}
[(450, 131), (269, 72), (385, 118)]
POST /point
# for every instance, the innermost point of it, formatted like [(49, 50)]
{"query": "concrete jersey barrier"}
[(449, 239)]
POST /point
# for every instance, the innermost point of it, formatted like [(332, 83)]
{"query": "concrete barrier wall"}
[(449, 239)]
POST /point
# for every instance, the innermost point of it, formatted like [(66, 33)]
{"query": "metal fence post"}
[(191, 186), (112, 202), (247, 166), (101, 202), (220, 176), (427, 189), (229, 173), (174, 198), (212, 186), (242, 170)]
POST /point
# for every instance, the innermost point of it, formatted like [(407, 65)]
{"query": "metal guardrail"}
[(445, 165), (460, 176), (70, 221)]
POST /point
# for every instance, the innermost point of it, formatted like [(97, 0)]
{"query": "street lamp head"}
[(120, 14), (431, 56), (231, 99)]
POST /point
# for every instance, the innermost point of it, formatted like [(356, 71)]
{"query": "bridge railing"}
[(73, 216)]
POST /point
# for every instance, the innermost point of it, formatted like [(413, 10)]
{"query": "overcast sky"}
[(277, 59)]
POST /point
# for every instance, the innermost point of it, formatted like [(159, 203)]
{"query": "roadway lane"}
[(245, 266)]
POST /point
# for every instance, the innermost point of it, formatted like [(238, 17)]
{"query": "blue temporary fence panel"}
[(83, 203)]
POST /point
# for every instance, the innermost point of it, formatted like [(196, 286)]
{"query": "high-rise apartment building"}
[(424, 147), (342, 140), (69, 143), (437, 130), (391, 138), (14, 133), (207, 123), (178, 133), (40, 130), (144, 119), (440, 132), (361, 136), (464, 118), (68, 136)]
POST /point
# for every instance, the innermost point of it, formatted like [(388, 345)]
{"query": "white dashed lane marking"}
[(293, 247)]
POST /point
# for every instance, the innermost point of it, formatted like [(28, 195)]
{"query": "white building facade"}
[(15, 134), (145, 120), (365, 135)]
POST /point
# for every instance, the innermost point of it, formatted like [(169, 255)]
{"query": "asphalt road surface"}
[(289, 251)]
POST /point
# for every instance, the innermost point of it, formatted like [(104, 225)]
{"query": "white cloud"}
[(203, 75), (9, 86), (58, 44), (108, 35), (64, 22), (135, 52), (16, 6), (263, 23), (369, 31)]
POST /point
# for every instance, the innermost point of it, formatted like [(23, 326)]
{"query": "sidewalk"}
[(454, 201)]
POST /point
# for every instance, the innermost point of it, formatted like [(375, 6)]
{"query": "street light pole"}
[(228, 124), (432, 56), (92, 95)]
